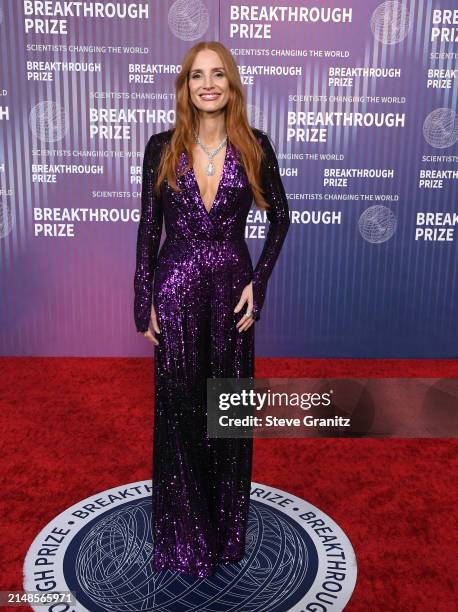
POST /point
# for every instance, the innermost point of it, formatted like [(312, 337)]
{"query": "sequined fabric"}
[(201, 485)]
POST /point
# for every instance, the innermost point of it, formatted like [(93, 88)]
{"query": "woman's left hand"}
[(246, 298)]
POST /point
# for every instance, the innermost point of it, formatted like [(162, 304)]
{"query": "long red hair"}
[(238, 130)]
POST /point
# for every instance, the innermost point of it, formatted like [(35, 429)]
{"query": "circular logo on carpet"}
[(296, 558)]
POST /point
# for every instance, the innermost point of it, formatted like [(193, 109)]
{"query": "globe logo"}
[(256, 117), (440, 128), (390, 22), (377, 224), (6, 219), (113, 557), (105, 558), (48, 121), (188, 19), (112, 565)]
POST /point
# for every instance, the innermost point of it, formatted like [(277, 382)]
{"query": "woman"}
[(197, 301)]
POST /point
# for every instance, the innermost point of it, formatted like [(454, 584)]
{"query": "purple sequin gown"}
[(201, 485)]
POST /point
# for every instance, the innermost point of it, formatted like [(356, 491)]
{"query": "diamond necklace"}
[(210, 169)]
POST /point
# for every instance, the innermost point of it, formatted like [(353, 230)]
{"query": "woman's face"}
[(208, 83)]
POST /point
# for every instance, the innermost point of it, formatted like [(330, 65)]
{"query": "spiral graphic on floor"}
[(100, 550)]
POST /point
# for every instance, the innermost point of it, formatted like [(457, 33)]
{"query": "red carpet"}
[(72, 427)]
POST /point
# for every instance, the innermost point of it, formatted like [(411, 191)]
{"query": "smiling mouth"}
[(209, 96)]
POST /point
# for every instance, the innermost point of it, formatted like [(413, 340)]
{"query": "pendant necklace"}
[(210, 169)]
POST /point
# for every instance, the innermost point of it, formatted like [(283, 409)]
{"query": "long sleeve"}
[(279, 222), (148, 238)]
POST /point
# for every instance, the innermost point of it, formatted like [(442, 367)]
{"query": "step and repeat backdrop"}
[(360, 101)]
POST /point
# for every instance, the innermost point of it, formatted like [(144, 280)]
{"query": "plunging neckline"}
[(219, 184)]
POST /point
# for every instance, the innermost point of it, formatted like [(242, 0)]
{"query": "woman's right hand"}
[(153, 326)]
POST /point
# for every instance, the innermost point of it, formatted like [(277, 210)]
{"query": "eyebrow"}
[(200, 69)]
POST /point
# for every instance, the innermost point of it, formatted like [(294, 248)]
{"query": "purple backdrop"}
[(361, 273)]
